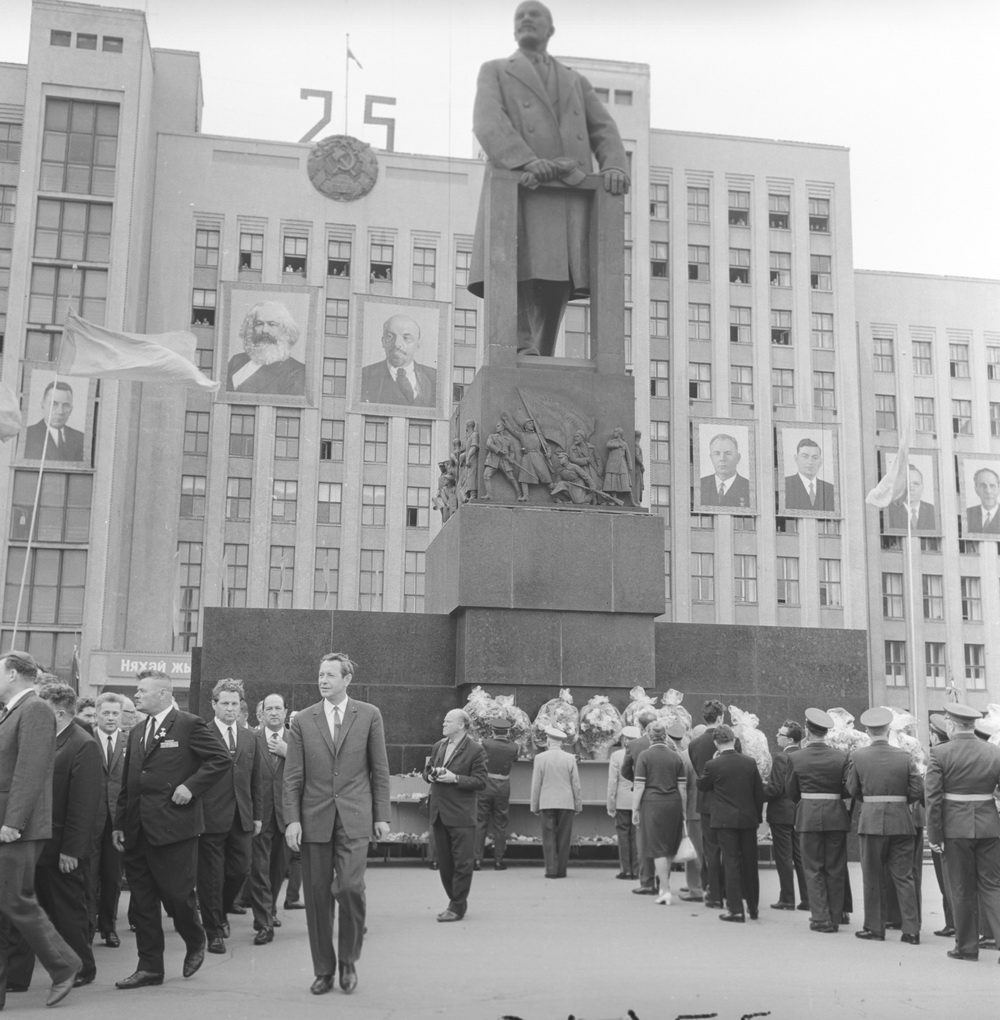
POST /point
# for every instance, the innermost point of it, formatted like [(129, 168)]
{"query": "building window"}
[(10, 142), (418, 502), (994, 418), (780, 268), (658, 251), (623, 97), (702, 522), (376, 448), (418, 443), (659, 320), (975, 667), (73, 231), (8, 200), (936, 665), (892, 596), (667, 574), (993, 363), (281, 577), (781, 327), (829, 583), (380, 263), (334, 377), (463, 263), (329, 500), (238, 494), (744, 524), (958, 355), (895, 663), (51, 287), (235, 570), (293, 254), (326, 578), (788, 580), (821, 272), (196, 431), (882, 356), (203, 307), (251, 251), (189, 557), (112, 43), (930, 544), (968, 547), (822, 330), (241, 433), (824, 397), (786, 526), (698, 205), (698, 262), (284, 500), (424, 266), (932, 587), (739, 208), (703, 577), (739, 324), (741, 384), (86, 41), (779, 208), (659, 441), (337, 318), (38, 344), (829, 526), (206, 248), (885, 411), (923, 363), (79, 147), (699, 322), (700, 380), (961, 417), (891, 543), (54, 590), (972, 599), (659, 378), (745, 578), (466, 321), (192, 496), (628, 273), (63, 507), (460, 379), (739, 265), (923, 414), (286, 436), (819, 215), (659, 501), (659, 205), (371, 577), (331, 439), (57, 37), (338, 264)]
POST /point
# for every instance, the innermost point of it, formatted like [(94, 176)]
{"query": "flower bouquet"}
[(754, 742), (991, 722), (520, 724), (558, 712), (844, 737), (640, 700), (600, 726), (673, 711), (902, 733), (481, 708)]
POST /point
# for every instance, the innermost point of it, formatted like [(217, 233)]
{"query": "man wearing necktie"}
[(399, 379), (913, 512), (805, 490), (725, 486), (65, 443), (106, 864), (984, 519), (336, 798)]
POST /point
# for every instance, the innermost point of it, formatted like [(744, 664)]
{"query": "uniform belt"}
[(821, 796), (968, 796), (497, 775), (883, 798)]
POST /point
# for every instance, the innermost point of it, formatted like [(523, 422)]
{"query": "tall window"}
[(79, 147), (74, 231), (975, 667), (659, 206), (414, 568), (703, 577), (373, 506), (822, 330), (993, 362), (779, 209), (783, 387), (892, 596), (699, 322), (698, 262), (51, 287), (923, 414), (331, 439), (463, 263), (294, 251), (885, 411), (659, 501), (821, 272), (376, 445), (338, 259), (55, 586), (235, 570), (371, 578), (659, 440), (326, 578), (700, 380), (961, 417), (206, 247), (923, 360), (932, 586), (10, 143), (337, 318), (895, 663), (739, 208), (334, 377), (418, 503), (667, 575), (935, 663), (972, 599), (697, 205), (741, 384), (460, 379), (659, 319), (829, 583), (745, 578), (781, 327), (739, 324), (824, 396), (196, 431), (424, 266), (380, 264), (628, 272), (329, 497), (788, 580), (284, 500), (658, 260), (958, 357), (739, 265), (819, 215), (659, 378), (63, 507), (192, 496), (780, 268), (286, 436), (281, 577), (189, 558), (418, 442), (251, 251), (465, 325), (242, 424), (203, 303), (238, 495), (882, 355)]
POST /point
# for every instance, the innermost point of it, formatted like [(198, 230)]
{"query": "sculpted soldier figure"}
[(501, 455)]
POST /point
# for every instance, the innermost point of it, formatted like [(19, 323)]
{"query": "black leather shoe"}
[(217, 946), (264, 936), (16, 988), (236, 909), (60, 989), (111, 939), (985, 942), (276, 922), (433, 865), (714, 904), (910, 940), (476, 866), (193, 960), (500, 866), (84, 979), (449, 915), (869, 936), (845, 918), (782, 906), (226, 933), (947, 932), (348, 978), (956, 954), (322, 984), (823, 926), (802, 906), (736, 918), (140, 979), (644, 890), (753, 914), (293, 905)]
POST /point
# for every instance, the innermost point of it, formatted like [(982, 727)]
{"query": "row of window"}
[(745, 579), (740, 324), (780, 266), (925, 418), (86, 41), (932, 597), (935, 665), (922, 357), (779, 208)]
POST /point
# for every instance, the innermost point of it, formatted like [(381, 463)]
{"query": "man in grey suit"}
[(556, 795), (336, 790), (399, 379), (107, 862), (984, 519)]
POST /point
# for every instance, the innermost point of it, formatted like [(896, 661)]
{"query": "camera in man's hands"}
[(437, 771)]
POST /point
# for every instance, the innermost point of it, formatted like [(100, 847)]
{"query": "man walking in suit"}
[(962, 822), (635, 747), (270, 851), (106, 864), (336, 795), (27, 747), (233, 810), (556, 795), (781, 820), (457, 771), (885, 780), (171, 760), (737, 803), (816, 784)]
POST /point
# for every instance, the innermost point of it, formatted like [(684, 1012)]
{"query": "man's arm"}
[(493, 127), (207, 745), (915, 784), (933, 797), (776, 781), (476, 779), (83, 801), (706, 781), (758, 794), (575, 781), (36, 741), (628, 764), (536, 784), (852, 783), (257, 785), (378, 771)]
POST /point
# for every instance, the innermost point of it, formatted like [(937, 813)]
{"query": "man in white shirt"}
[(399, 379), (65, 443), (805, 490), (726, 486), (984, 519), (107, 862)]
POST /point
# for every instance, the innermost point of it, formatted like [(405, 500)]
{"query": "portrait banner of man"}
[(979, 489), (726, 462), (399, 357), (808, 476), (918, 509), (60, 406), (268, 344)]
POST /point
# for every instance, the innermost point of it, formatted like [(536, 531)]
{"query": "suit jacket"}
[(796, 497), (819, 768), (701, 750), (738, 494), (272, 782), (897, 515), (619, 788), (287, 378), (883, 770), (76, 795), (379, 387), (183, 751), (632, 751), (555, 781), (71, 448), (238, 792), (111, 775), (974, 521), (515, 121), (965, 764), (323, 782), (738, 793), (780, 807), (27, 749), (455, 803)]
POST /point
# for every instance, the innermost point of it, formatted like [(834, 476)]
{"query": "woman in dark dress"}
[(658, 803)]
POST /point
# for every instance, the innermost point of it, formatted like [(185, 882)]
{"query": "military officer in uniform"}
[(938, 731), (494, 801)]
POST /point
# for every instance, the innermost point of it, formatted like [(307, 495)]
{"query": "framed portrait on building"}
[(268, 344), (808, 470), (60, 406), (979, 489), (725, 457), (919, 508), (399, 357)]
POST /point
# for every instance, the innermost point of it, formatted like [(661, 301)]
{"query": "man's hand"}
[(67, 863), (938, 848), (635, 817), (615, 181), (118, 840), (277, 746), (257, 826), (182, 795), (543, 169), (9, 834), (447, 777), (381, 830), (293, 835), (611, 812)]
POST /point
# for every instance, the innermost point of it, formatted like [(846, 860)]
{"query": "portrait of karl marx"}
[(266, 365)]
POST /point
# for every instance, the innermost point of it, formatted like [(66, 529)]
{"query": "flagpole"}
[(347, 75), (917, 700)]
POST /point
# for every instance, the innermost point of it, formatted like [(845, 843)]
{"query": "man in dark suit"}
[(885, 780), (962, 823), (913, 512), (984, 519), (399, 379), (233, 812), (27, 749), (171, 761), (725, 486), (816, 784), (65, 443), (106, 864), (456, 771), (266, 364), (336, 795), (781, 820), (805, 490), (737, 803), (647, 872), (270, 851), (63, 866)]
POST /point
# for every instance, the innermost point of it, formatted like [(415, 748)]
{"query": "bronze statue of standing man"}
[(534, 114)]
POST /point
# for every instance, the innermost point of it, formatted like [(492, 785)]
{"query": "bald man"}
[(399, 379)]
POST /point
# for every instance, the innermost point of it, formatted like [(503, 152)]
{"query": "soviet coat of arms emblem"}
[(342, 168)]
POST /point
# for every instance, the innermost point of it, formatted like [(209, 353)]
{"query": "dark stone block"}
[(394, 755), (414, 756), (509, 646), (601, 648), (637, 559), (413, 714)]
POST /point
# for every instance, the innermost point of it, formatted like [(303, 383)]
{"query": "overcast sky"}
[(910, 86)]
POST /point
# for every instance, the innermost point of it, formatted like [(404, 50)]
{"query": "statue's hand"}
[(543, 169), (616, 182)]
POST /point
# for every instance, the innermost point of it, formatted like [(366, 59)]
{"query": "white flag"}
[(10, 414), (893, 485)]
